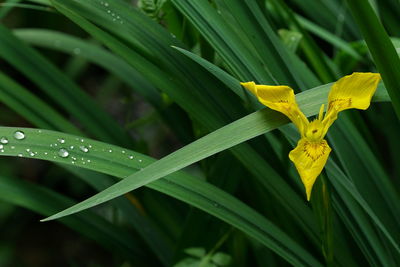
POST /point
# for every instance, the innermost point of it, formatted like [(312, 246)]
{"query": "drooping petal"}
[(279, 98), (351, 91), (309, 159)]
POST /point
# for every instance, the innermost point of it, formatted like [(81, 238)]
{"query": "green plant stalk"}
[(380, 46), (322, 207), (206, 260)]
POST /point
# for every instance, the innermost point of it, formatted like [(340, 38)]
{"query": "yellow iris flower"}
[(312, 150)]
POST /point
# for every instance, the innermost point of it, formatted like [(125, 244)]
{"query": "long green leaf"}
[(213, 108), (246, 128), (109, 159), (94, 53), (380, 46), (31, 107), (62, 90), (41, 115), (45, 201)]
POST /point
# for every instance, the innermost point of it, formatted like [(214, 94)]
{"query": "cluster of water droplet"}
[(64, 151), (115, 17), (18, 135)]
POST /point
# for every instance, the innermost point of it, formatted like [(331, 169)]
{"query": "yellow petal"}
[(309, 159), (251, 86), (352, 91), (279, 98)]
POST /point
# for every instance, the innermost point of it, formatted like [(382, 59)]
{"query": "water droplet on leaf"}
[(84, 149), (19, 135), (63, 153)]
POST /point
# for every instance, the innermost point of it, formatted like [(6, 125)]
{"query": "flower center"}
[(314, 131)]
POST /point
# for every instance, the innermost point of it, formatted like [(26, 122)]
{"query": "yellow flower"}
[(312, 150)]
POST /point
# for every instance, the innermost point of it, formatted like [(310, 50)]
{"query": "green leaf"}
[(380, 46), (290, 38), (212, 108), (329, 37), (94, 53), (61, 89), (221, 259), (44, 201), (196, 252), (246, 128), (31, 107), (113, 160)]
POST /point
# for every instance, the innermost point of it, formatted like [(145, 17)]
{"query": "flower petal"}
[(279, 98), (309, 159), (351, 91)]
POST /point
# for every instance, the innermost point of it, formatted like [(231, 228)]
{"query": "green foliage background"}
[(149, 92)]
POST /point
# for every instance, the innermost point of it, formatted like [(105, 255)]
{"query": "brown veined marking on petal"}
[(315, 146), (341, 102)]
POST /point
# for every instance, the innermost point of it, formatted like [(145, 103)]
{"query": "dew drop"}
[(28, 150), (61, 140), (88, 160), (123, 151), (140, 160), (130, 157), (46, 153), (20, 155), (84, 149), (12, 147), (71, 147), (105, 4), (2, 150), (19, 135), (63, 153), (110, 150), (32, 154), (1, 146), (4, 140)]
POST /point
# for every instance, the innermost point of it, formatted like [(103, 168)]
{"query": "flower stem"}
[(323, 211)]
